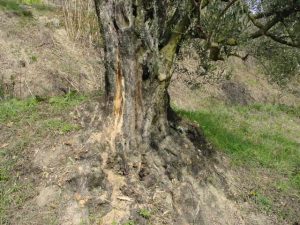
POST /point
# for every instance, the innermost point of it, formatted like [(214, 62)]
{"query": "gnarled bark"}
[(164, 162), (141, 39)]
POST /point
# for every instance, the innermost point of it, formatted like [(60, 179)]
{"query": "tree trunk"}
[(141, 39), (163, 160)]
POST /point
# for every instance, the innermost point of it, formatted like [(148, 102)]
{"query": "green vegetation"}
[(19, 6), (60, 126), (33, 59), (28, 121), (12, 192), (2, 93), (69, 100), (31, 2), (14, 110), (263, 202), (145, 213), (9, 5), (257, 136), (14, 6), (280, 63), (263, 139)]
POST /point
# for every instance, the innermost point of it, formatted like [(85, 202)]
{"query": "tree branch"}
[(263, 28), (285, 11), (282, 41), (227, 7), (264, 31), (209, 36)]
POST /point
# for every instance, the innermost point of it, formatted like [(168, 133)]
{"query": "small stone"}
[(55, 22), (80, 169), (10, 124), (82, 202), (162, 77)]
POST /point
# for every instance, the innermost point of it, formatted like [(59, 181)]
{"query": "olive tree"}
[(141, 40)]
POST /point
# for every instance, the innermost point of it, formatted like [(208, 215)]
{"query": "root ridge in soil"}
[(175, 179)]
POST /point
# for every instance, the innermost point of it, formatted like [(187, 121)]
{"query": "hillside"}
[(55, 162), (38, 58)]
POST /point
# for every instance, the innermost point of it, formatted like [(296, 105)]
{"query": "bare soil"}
[(38, 58), (75, 179)]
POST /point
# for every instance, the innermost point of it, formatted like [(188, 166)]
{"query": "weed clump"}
[(144, 213)]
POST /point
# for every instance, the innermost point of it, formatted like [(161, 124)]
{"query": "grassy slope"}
[(259, 138), (23, 123), (16, 6)]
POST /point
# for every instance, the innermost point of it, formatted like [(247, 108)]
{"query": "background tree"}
[(277, 48)]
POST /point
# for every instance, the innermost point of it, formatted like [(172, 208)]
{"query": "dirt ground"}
[(38, 58), (66, 179)]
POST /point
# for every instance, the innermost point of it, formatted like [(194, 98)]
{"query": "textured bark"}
[(166, 162), (141, 39)]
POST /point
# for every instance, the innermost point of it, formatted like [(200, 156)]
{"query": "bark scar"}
[(118, 101)]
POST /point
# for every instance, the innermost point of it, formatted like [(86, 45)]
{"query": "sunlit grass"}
[(69, 100), (57, 125), (14, 6), (12, 193), (15, 110), (17, 6), (266, 136)]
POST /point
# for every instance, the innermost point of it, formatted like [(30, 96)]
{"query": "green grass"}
[(10, 5), (44, 115), (69, 100), (263, 202), (29, 110), (275, 109), (14, 109), (9, 194), (12, 193), (266, 136), (31, 2), (57, 125), (16, 6), (33, 59), (145, 213), (28, 121)]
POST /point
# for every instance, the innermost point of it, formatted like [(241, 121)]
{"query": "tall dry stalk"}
[(81, 21)]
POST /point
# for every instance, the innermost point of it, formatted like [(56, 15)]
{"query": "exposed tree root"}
[(172, 179)]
